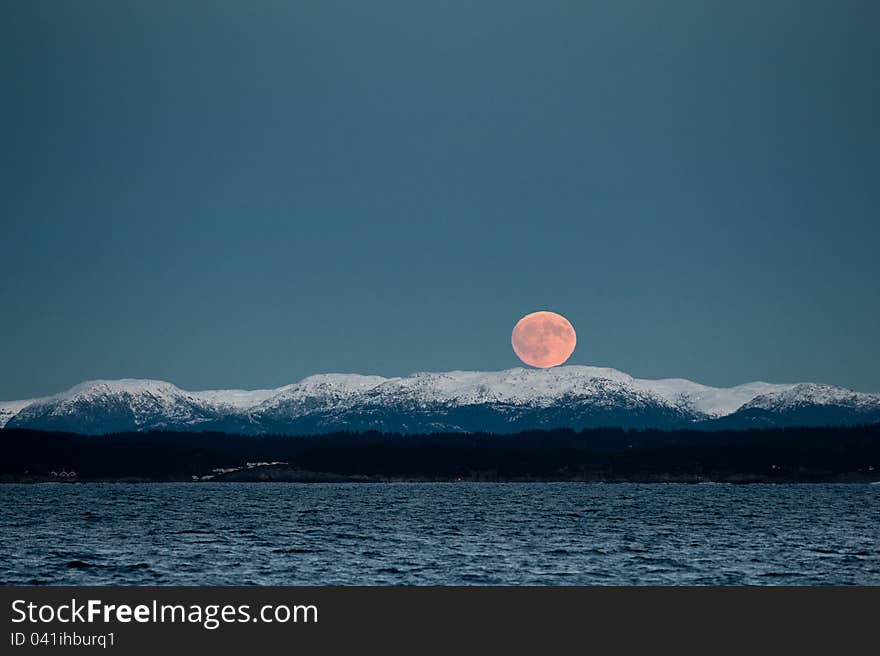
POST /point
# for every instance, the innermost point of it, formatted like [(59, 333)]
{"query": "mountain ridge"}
[(468, 401)]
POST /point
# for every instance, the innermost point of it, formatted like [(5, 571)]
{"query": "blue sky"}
[(233, 194)]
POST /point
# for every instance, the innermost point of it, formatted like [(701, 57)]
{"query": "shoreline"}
[(743, 479)]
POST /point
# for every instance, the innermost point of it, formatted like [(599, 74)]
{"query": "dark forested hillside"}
[(792, 454)]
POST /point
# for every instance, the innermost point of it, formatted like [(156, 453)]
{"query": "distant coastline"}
[(791, 455), (297, 477)]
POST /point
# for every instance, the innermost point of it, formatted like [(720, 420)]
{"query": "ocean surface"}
[(438, 533)]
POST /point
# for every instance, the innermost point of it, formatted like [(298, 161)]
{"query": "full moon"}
[(543, 339)]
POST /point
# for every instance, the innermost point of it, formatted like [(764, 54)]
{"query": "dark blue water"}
[(443, 533)]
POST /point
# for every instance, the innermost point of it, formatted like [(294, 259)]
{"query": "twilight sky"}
[(240, 194)]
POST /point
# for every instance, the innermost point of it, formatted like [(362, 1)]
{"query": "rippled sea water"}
[(439, 533)]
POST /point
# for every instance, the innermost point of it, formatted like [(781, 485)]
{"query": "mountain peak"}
[(811, 394), (120, 386)]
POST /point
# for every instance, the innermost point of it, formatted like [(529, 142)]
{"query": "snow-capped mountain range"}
[(503, 401)]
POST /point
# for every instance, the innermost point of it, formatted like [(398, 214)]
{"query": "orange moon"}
[(543, 339)]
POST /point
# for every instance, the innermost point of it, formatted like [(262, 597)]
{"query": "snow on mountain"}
[(710, 401), (429, 401), (234, 400), (503, 401), (115, 405), (804, 394), (543, 387), (321, 389), (8, 409), (518, 386), (806, 404)]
